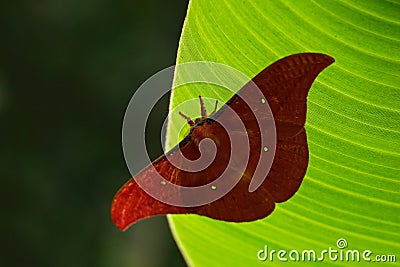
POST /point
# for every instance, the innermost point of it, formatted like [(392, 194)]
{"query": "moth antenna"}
[(202, 108), (187, 118), (215, 109)]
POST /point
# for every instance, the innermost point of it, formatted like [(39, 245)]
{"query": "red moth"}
[(285, 85)]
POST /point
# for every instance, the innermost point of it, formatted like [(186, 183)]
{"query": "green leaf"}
[(351, 189)]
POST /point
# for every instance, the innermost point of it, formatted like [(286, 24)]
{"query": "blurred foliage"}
[(67, 72)]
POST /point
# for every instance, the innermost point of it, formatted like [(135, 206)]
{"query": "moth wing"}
[(286, 84), (132, 203)]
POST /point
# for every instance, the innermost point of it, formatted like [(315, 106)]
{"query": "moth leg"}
[(187, 118), (202, 108), (215, 109)]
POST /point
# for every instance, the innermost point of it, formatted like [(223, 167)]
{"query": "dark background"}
[(68, 69)]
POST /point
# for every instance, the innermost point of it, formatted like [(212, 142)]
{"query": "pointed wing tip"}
[(328, 60), (119, 220), (117, 216), (316, 58), (132, 204), (322, 59), (122, 227), (121, 205)]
